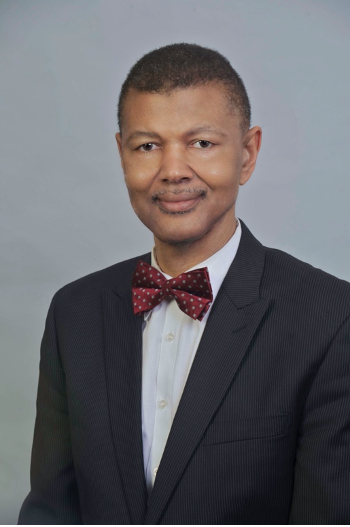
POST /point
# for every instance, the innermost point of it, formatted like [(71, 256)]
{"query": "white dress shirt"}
[(169, 343)]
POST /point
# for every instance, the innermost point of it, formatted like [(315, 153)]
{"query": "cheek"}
[(222, 172), (139, 173), (139, 196), (223, 179), (137, 184)]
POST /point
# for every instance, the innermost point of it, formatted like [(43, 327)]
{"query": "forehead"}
[(179, 109)]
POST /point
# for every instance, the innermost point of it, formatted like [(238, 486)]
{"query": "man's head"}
[(179, 66), (185, 144)]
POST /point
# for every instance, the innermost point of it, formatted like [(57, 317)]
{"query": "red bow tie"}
[(192, 291)]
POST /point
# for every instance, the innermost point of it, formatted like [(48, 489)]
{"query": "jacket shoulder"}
[(289, 275), (109, 278)]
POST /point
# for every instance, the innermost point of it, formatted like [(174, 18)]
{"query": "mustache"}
[(195, 191)]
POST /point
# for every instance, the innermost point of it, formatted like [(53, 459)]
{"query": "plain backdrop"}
[(64, 208)]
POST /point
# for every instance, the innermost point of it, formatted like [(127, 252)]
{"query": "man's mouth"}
[(179, 203)]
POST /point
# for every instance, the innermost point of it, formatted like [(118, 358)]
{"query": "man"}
[(207, 382)]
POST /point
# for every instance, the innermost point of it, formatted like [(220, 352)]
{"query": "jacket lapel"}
[(233, 321), (123, 360)]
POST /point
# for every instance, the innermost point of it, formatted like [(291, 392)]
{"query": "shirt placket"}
[(163, 414)]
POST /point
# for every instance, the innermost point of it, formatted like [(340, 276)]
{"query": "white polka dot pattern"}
[(191, 291)]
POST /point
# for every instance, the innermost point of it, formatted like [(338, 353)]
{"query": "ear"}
[(120, 148), (251, 147)]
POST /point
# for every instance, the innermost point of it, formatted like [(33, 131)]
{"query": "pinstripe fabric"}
[(262, 431)]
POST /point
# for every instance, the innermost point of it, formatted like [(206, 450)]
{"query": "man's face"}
[(184, 156)]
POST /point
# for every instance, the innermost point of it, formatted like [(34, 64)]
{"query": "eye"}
[(202, 144), (147, 147)]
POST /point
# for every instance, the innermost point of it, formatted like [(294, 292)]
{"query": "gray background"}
[(64, 208)]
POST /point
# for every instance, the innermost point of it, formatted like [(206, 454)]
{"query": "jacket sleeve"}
[(322, 471), (53, 498)]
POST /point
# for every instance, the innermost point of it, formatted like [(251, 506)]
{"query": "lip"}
[(178, 203)]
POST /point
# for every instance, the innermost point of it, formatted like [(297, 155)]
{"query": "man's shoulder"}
[(111, 278), (289, 275)]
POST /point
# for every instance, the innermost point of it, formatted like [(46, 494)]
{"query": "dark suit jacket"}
[(262, 431)]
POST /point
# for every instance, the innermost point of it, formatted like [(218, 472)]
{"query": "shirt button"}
[(162, 404), (170, 337), (155, 471)]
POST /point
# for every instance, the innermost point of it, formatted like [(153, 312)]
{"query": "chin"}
[(179, 237)]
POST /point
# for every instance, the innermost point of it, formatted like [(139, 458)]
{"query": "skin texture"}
[(184, 155)]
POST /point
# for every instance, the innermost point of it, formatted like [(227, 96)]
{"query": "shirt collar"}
[(218, 263)]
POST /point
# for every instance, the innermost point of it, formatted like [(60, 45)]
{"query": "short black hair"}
[(183, 65)]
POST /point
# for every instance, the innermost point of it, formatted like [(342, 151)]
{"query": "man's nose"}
[(175, 166)]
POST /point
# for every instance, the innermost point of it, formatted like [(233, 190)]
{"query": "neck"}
[(176, 259)]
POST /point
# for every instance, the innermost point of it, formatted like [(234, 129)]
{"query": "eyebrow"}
[(153, 135)]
